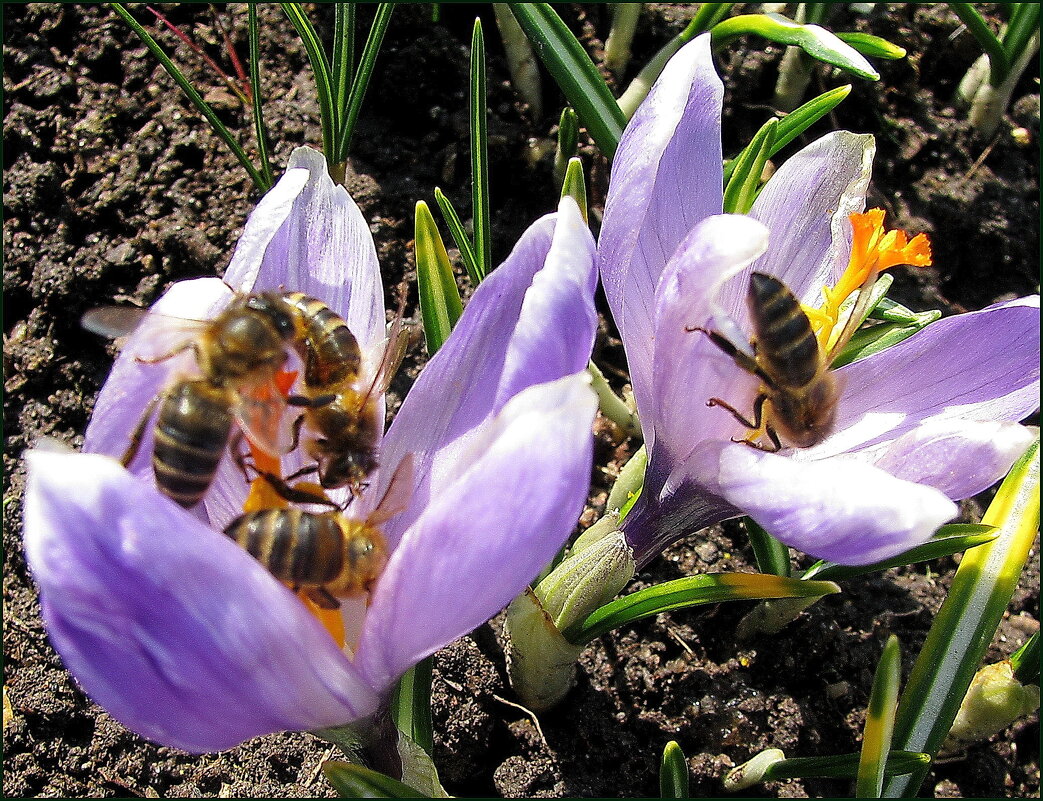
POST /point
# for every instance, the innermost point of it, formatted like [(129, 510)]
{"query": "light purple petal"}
[(170, 626), (531, 320), (689, 368), (132, 384), (312, 238), (840, 509), (957, 457), (978, 366), (806, 206), (666, 177), (482, 539)]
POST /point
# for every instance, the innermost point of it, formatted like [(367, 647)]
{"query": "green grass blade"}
[(362, 77), (355, 781), (481, 216), (873, 46), (193, 95), (1024, 22), (255, 90), (1025, 661), (964, 626), (460, 239), (673, 772), (709, 588), (814, 40), (744, 183), (771, 555), (411, 705), (575, 185), (999, 63), (568, 143), (797, 121), (320, 65), (440, 305), (950, 539), (708, 15), (575, 73), (843, 766), (880, 721), (343, 63)]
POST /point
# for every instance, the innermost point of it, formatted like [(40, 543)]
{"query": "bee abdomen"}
[(786, 345), (298, 547), (191, 433), (332, 354)]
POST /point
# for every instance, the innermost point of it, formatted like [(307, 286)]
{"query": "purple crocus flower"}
[(929, 421), (184, 637)]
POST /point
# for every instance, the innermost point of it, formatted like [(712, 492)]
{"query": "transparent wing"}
[(398, 494), (262, 412), (156, 335)]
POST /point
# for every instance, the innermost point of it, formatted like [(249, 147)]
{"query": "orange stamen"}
[(872, 251)]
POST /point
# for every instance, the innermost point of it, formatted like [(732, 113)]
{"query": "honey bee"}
[(239, 353), (797, 399), (325, 555), (340, 410)]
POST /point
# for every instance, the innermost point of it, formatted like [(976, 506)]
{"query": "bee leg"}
[(295, 430), (139, 433), (755, 424), (304, 471), (757, 407), (295, 494), (321, 597), (242, 460), (165, 356), (311, 403), (744, 360)]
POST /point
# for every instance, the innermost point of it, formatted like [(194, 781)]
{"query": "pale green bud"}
[(752, 772), (993, 702)]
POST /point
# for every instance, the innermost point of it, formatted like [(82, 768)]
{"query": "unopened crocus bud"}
[(993, 702), (752, 772)]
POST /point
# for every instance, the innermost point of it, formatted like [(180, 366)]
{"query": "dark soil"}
[(114, 187)]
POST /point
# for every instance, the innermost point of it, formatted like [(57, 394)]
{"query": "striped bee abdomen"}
[(786, 346)]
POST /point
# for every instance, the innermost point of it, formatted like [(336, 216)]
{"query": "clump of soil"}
[(114, 187)]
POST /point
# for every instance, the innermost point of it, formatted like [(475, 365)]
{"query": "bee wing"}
[(398, 494), (160, 335), (261, 410)]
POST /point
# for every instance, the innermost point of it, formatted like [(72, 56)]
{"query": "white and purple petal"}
[(482, 538), (666, 176), (174, 629)]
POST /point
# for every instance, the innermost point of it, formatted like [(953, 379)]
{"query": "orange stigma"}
[(873, 250)]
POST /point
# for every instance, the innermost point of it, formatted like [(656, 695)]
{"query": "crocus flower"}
[(924, 423), (184, 637)]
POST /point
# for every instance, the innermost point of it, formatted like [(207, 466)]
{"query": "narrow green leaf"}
[(1025, 661), (797, 121), (843, 766), (575, 73), (880, 721), (893, 312), (355, 781), (255, 90), (483, 245), (814, 40), (186, 87), (709, 588), (967, 620), (741, 189), (440, 305), (999, 63), (460, 239), (411, 705), (362, 78), (950, 539), (320, 65), (568, 143), (575, 185), (867, 341), (708, 15), (771, 555), (874, 46), (1024, 22), (343, 66), (673, 772)]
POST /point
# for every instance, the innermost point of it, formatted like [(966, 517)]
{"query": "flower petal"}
[(978, 366), (170, 626), (666, 177), (482, 539), (312, 238), (531, 320), (840, 509), (689, 368), (806, 206)]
